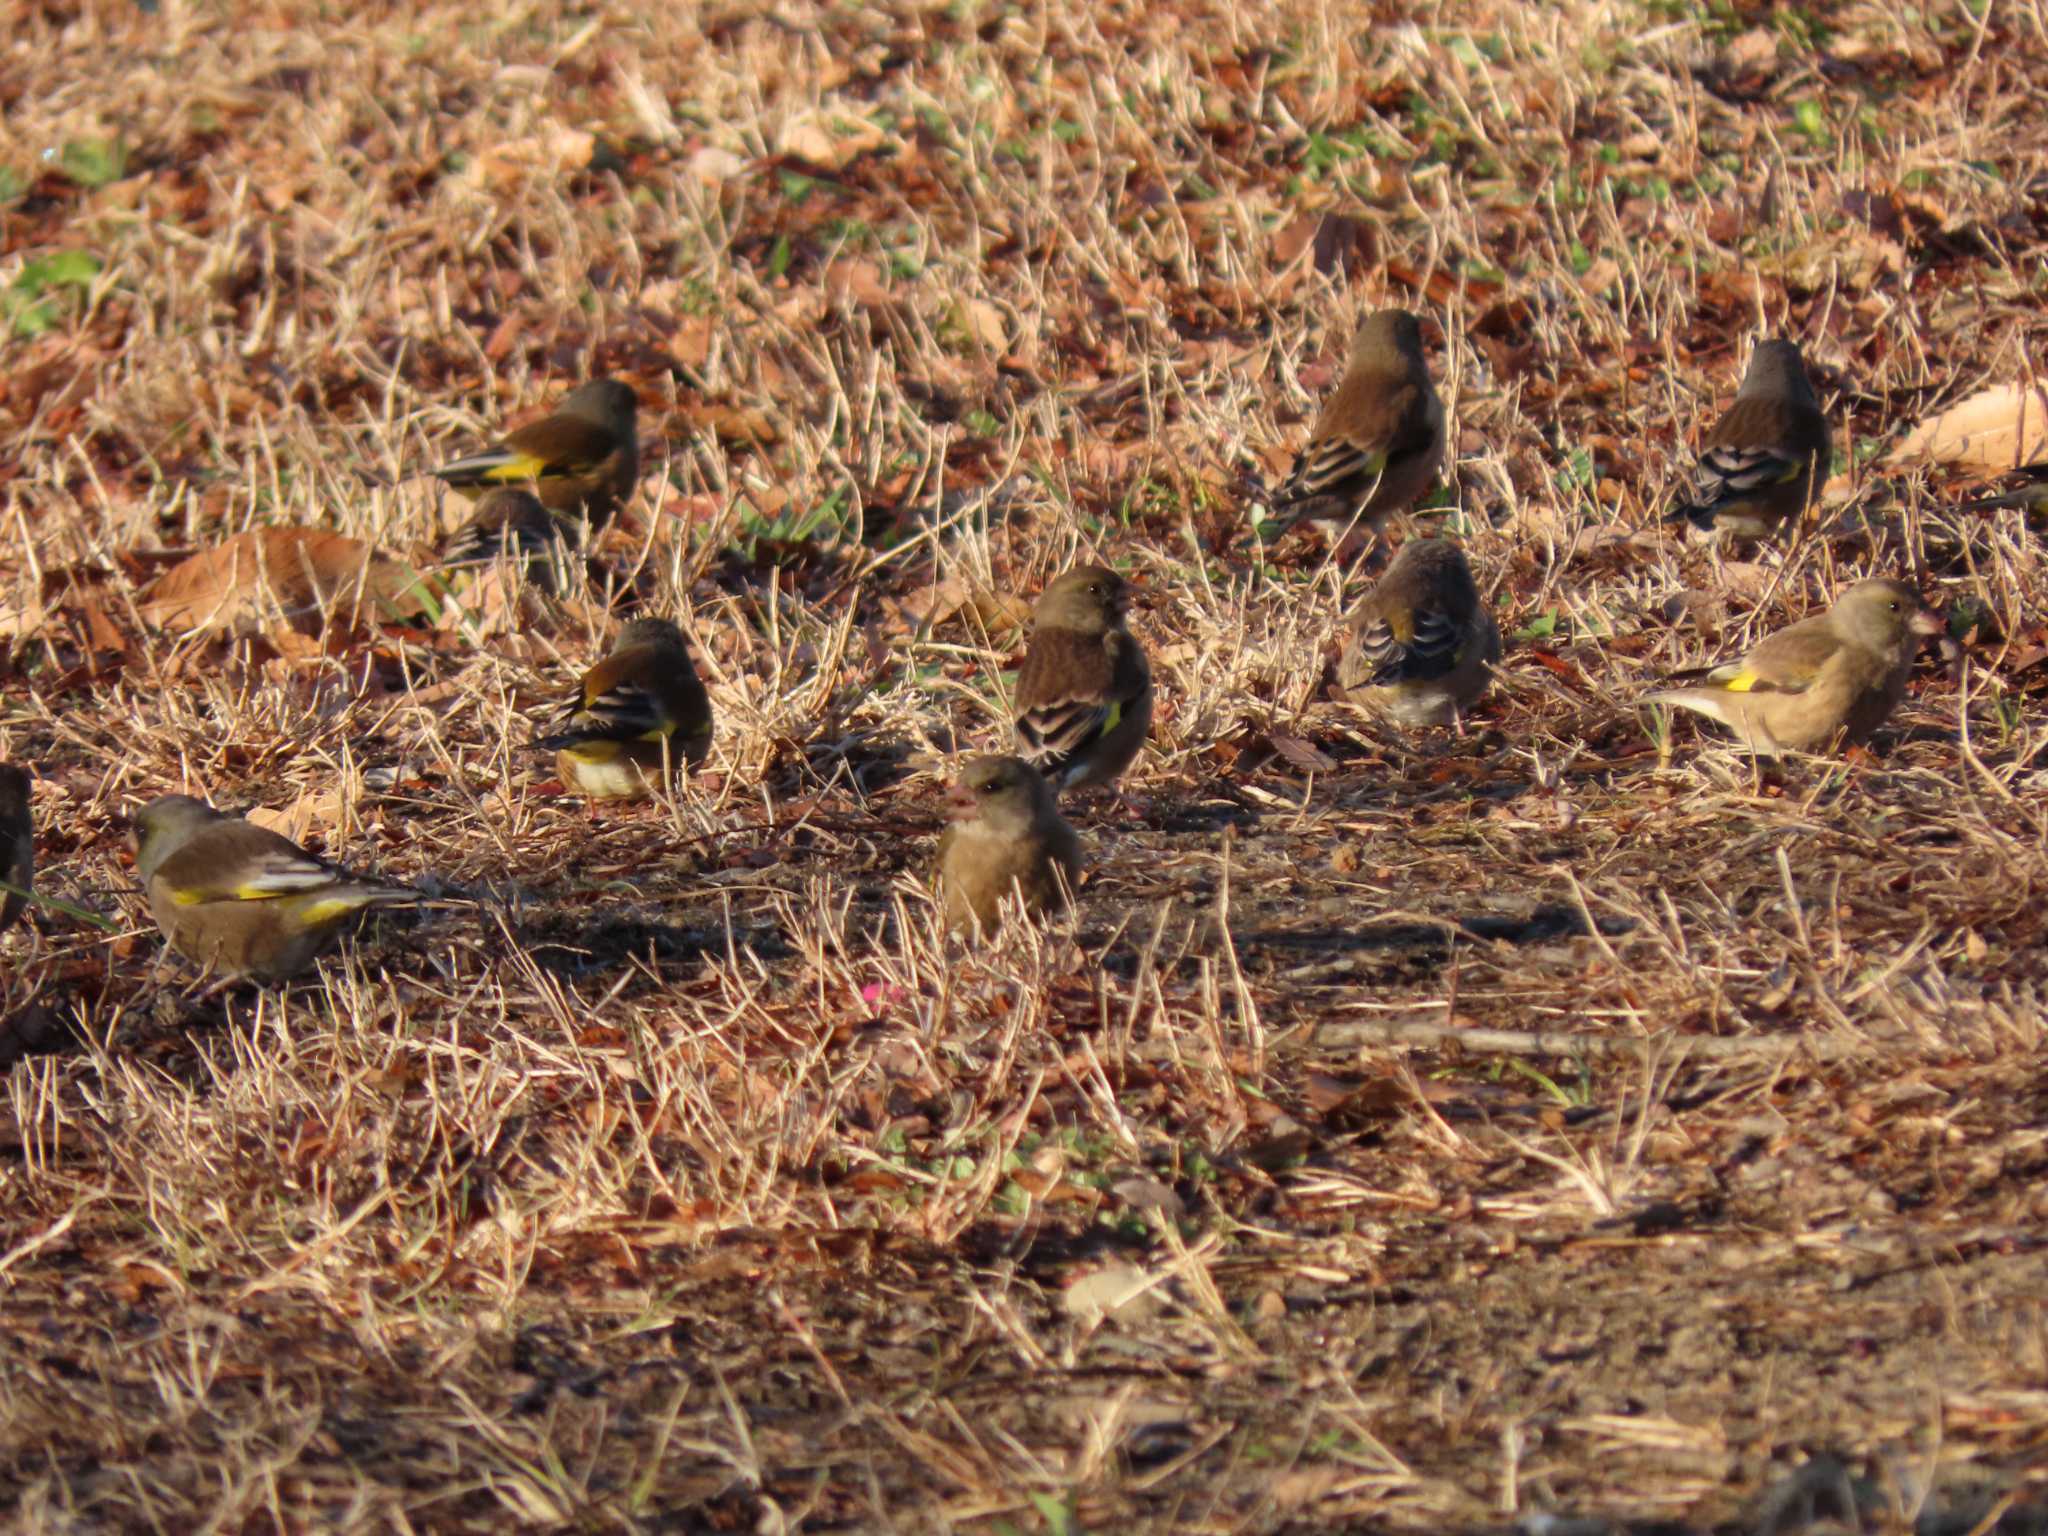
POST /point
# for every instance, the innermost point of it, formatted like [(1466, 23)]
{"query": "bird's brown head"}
[(650, 632), (163, 826), (1089, 598), (1386, 341), (607, 402), (1776, 370), (1431, 563), (1005, 794), (1884, 615)]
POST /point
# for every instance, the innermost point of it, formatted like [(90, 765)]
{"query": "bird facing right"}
[(1423, 644), (239, 899), (1767, 457), (1007, 837), (1084, 693), (1835, 676), (1376, 446), (637, 716), (581, 461), (17, 844)]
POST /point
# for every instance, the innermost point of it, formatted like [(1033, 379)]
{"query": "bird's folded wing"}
[(199, 875), (1431, 650), (1332, 467), (1790, 661), (1058, 731), (480, 542), (623, 712), (559, 445), (1730, 474)]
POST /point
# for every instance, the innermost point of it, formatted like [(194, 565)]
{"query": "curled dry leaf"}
[(712, 165), (304, 573), (316, 810), (556, 151), (733, 423), (1996, 428), (829, 141)]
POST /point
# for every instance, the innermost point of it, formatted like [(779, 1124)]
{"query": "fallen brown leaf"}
[(1996, 428), (303, 572)]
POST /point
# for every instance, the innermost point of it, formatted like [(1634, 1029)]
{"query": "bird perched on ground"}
[(17, 844), (1007, 837), (581, 462), (1834, 676), (1084, 693), (1376, 446), (1767, 457), (240, 900), (1422, 644), (638, 715), (2030, 493), (511, 524)]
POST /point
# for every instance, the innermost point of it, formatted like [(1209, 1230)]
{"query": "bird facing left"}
[(237, 899)]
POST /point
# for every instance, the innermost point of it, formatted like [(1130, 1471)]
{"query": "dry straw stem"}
[(1540, 1123)]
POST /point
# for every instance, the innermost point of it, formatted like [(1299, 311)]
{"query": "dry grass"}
[(1511, 1122)]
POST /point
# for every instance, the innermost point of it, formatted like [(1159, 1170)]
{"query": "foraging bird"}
[(638, 715), (511, 524), (1084, 693), (581, 462), (2031, 493), (1376, 446), (1423, 644), (1836, 675), (239, 899), (1007, 836), (1767, 457), (17, 844)]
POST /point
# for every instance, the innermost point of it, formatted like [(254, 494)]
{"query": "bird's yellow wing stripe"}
[(1109, 720), (519, 468), (1740, 682), (317, 912)]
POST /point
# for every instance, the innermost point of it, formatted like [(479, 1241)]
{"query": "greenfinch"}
[(508, 524), (17, 844), (1376, 447), (237, 899), (1084, 693), (1767, 457), (1007, 837), (639, 716), (1833, 677), (2030, 492), (581, 462), (1422, 645)]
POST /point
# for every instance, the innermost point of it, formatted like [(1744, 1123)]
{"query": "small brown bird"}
[(580, 462), (1084, 693), (240, 900), (513, 525), (1007, 836), (17, 844), (2030, 493), (1767, 458), (1376, 447), (1422, 644), (638, 715), (1834, 676)]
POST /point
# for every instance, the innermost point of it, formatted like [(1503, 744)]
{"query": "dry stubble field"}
[(1518, 1120)]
